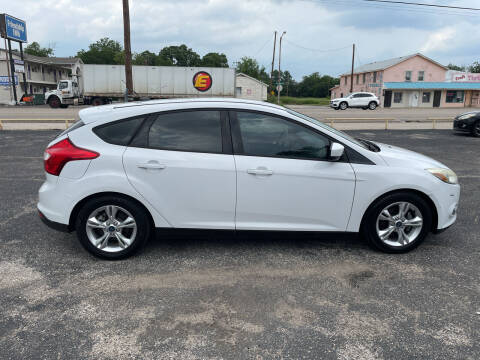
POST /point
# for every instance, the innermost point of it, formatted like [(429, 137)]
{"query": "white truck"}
[(102, 84)]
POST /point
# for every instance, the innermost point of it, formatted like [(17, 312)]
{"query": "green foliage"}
[(455, 67), (145, 58), (315, 85), (289, 100), (475, 67), (213, 59), (179, 56), (250, 67), (35, 49), (104, 51)]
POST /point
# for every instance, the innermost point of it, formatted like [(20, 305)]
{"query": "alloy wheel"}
[(399, 224), (111, 228)]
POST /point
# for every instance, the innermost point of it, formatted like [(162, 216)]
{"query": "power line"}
[(423, 4), (263, 46), (316, 50)]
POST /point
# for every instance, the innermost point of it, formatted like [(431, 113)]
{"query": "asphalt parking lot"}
[(238, 298)]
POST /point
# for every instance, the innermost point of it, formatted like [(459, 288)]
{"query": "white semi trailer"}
[(102, 84)]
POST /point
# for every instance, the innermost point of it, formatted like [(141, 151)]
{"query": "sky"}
[(319, 33)]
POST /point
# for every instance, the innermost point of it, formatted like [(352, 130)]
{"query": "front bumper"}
[(334, 105), (446, 201), (461, 125)]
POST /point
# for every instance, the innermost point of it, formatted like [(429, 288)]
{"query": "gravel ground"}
[(250, 297)]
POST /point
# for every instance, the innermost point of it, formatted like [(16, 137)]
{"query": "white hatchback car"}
[(123, 170)]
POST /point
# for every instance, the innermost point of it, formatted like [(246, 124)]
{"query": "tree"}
[(104, 51), (455, 67), (475, 67), (35, 49), (179, 56), (315, 85), (145, 58), (215, 60), (250, 67)]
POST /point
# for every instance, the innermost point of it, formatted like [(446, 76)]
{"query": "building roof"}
[(421, 85), (48, 60), (251, 78), (384, 64)]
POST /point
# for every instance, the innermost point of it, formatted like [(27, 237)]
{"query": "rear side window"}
[(119, 132), (195, 131)]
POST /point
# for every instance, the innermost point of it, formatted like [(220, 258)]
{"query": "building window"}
[(346, 80), (426, 97), (397, 97), (421, 75), (454, 96), (374, 76), (408, 76), (364, 76), (358, 78)]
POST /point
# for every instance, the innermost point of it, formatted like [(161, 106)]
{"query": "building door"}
[(436, 98), (414, 99), (388, 99)]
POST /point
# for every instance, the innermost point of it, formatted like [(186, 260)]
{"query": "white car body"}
[(182, 189), (356, 100)]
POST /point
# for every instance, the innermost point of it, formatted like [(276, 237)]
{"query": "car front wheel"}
[(112, 228), (343, 105), (372, 105), (398, 222), (476, 129)]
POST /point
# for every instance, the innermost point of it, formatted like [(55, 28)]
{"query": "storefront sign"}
[(464, 77), (13, 28), (19, 66), (6, 80)]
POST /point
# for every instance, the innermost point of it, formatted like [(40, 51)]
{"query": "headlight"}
[(466, 116), (446, 175)]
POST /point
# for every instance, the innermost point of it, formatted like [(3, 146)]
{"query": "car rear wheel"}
[(97, 102), (398, 222), (112, 228), (476, 129), (372, 105), (343, 105)]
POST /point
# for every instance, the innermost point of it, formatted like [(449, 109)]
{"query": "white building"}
[(42, 74), (250, 88)]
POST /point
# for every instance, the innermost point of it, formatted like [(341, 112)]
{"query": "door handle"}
[(151, 165), (260, 171)]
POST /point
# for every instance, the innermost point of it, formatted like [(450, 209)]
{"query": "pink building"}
[(411, 81)]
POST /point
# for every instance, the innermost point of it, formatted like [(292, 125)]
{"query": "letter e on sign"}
[(202, 81)]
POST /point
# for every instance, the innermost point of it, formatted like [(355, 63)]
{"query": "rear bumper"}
[(52, 224)]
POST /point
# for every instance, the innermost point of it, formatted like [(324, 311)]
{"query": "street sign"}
[(19, 65), (279, 88), (13, 28), (5, 80)]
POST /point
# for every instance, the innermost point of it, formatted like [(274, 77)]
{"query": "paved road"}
[(399, 118), (247, 298)]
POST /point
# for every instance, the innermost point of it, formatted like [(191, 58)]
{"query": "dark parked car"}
[(468, 122)]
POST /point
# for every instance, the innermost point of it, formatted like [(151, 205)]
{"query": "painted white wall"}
[(250, 89)]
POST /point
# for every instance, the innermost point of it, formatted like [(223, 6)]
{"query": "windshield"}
[(335, 131), (62, 85)]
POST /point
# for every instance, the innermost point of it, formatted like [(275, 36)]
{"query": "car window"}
[(196, 131), (62, 85), (118, 132), (265, 135)]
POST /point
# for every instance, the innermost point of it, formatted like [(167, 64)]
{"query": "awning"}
[(423, 85)]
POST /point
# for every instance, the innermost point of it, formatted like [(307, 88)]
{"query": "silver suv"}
[(362, 100)]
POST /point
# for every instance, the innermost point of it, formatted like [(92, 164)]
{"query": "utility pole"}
[(8, 68), (273, 59), (24, 76), (128, 50), (279, 72), (12, 69), (351, 77)]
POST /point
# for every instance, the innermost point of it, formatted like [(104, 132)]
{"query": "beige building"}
[(41, 73), (247, 87)]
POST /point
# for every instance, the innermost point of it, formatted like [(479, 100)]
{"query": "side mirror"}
[(336, 151)]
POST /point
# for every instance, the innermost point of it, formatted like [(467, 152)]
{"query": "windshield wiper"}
[(370, 145)]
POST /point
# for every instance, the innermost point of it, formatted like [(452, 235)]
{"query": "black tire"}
[(54, 102), (139, 214), (372, 105), (343, 105), (476, 128), (336, 108), (369, 223), (365, 108), (97, 101), (63, 106)]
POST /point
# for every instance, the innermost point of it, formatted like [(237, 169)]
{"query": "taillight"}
[(57, 155)]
